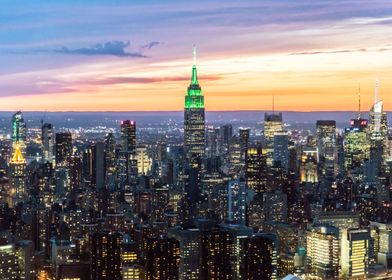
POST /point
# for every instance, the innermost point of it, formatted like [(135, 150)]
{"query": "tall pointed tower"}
[(18, 172), (194, 119), (194, 142)]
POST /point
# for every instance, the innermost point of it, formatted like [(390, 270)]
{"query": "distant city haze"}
[(137, 56)]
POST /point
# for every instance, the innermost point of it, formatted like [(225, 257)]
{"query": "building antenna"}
[(376, 92), (194, 54), (359, 101)]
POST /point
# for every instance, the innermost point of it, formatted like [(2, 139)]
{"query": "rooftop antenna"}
[(359, 101), (194, 55), (376, 92)]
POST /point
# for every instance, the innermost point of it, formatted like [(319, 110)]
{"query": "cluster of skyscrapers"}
[(221, 203)]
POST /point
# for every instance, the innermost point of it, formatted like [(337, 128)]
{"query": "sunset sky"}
[(137, 55)]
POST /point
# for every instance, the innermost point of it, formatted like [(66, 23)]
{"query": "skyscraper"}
[(162, 259), (281, 150), (327, 146), (18, 172), (272, 124), (322, 245), (236, 201), (63, 148), (194, 119), (127, 160), (356, 251), (106, 252), (128, 136), (218, 254), (260, 257), (255, 169), (98, 166), (19, 132), (47, 142), (194, 139)]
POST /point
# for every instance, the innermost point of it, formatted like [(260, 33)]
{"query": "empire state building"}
[(194, 119)]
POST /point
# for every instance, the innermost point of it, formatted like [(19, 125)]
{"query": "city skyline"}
[(137, 57)]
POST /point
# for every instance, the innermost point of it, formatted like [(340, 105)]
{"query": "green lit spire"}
[(194, 97), (194, 80)]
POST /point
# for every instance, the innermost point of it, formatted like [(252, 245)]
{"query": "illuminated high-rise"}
[(162, 259), (63, 148), (356, 252), (356, 144), (127, 160), (194, 119), (19, 132), (273, 123), (255, 169), (194, 139), (18, 173), (8, 262), (106, 255), (326, 144), (378, 135), (47, 142), (260, 257), (322, 244)]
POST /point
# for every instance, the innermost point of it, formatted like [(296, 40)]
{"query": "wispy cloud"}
[(150, 45), (112, 48), (329, 51)]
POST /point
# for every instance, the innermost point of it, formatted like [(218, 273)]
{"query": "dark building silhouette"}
[(259, 261), (106, 253), (162, 259), (63, 148)]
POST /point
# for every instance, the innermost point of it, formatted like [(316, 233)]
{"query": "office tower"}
[(322, 252), (128, 136), (239, 233), (8, 262), (226, 134), (356, 252), (194, 119), (162, 259), (25, 254), (217, 254), (272, 124), (190, 251), (98, 166), (75, 173), (131, 268), (308, 165), (356, 144), (106, 253), (281, 150), (194, 140), (244, 134), (236, 201), (19, 132), (326, 144), (212, 142), (382, 236), (260, 257), (255, 169), (63, 148), (110, 160), (275, 206), (47, 140), (18, 173), (235, 162), (144, 161), (378, 119), (127, 159)]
